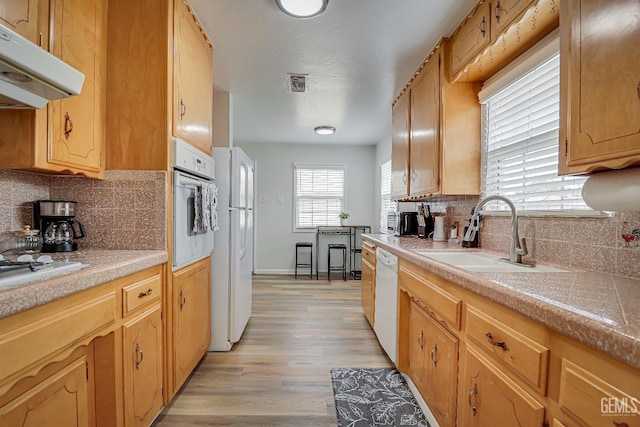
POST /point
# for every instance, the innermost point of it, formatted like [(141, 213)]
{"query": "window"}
[(521, 120), (386, 203), (319, 195)]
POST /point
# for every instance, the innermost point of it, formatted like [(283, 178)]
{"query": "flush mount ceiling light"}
[(302, 8), (324, 130)]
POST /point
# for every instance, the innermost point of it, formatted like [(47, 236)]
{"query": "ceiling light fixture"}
[(324, 130), (302, 8)]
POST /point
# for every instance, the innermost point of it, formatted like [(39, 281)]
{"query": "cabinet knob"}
[(500, 344), (498, 12), (483, 27), (473, 393), (68, 126), (139, 356)]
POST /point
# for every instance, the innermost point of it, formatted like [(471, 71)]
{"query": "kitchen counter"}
[(600, 310), (101, 266)]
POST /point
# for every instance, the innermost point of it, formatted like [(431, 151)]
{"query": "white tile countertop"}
[(600, 310), (99, 266)]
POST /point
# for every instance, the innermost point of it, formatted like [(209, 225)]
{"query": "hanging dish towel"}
[(198, 218), (213, 207)]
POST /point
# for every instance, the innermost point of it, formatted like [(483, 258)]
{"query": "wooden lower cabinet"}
[(192, 317), (491, 396), (368, 290), (142, 355), (433, 364), (59, 400)]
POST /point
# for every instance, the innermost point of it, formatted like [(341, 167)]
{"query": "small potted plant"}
[(343, 217)]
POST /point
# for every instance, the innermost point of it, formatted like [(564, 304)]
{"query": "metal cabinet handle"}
[(498, 12), (183, 300), (68, 126), (414, 175), (145, 294), (473, 393), (139, 356), (434, 355), (183, 109), (421, 339), (638, 90), (500, 344), (483, 27), (404, 177), (620, 424)]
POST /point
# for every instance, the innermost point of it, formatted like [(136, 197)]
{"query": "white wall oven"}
[(193, 177)]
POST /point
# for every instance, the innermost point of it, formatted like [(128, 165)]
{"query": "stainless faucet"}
[(518, 247)]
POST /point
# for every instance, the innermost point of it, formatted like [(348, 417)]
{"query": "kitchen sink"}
[(485, 262)]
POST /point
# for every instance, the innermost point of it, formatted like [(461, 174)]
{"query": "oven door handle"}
[(185, 181)]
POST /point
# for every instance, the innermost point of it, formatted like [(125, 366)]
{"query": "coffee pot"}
[(59, 229)]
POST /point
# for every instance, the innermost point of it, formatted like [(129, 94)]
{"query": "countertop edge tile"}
[(599, 331), (102, 266)]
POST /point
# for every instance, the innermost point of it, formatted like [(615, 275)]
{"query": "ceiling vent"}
[(298, 82)]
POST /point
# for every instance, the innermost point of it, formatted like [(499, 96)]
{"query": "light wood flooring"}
[(279, 373)]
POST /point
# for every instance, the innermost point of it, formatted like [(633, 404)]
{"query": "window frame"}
[(318, 166), (383, 213)]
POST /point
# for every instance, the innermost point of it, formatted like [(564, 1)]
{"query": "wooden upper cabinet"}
[(424, 161), (193, 80), (68, 135), (78, 122), (504, 13), (600, 85), (400, 146), (471, 38), (29, 18)]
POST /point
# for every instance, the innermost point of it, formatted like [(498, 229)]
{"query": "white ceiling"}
[(358, 55)]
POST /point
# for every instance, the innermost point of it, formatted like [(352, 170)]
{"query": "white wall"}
[(274, 238)]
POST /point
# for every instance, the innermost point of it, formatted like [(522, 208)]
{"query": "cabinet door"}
[(418, 329), (77, 123), (367, 290), (442, 374), (193, 81), (192, 307), (23, 17), (60, 400), (400, 146), (424, 156), (142, 353), (470, 39), (600, 81), (503, 13), (490, 395)]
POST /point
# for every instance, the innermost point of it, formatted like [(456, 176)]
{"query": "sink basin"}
[(485, 262)]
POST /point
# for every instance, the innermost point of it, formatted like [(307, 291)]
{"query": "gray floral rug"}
[(374, 397)]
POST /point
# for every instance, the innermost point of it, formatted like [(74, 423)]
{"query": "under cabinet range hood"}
[(30, 76)]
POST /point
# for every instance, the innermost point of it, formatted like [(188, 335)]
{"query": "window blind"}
[(319, 195), (521, 138), (386, 203)]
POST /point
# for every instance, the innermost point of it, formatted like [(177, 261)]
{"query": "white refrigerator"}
[(232, 258)]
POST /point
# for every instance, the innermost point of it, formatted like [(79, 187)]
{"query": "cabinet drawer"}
[(369, 254), (141, 293), (526, 357), (438, 302), (593, 400), (28, 344)]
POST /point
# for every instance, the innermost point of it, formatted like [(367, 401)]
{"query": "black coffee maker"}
[(55, 220)]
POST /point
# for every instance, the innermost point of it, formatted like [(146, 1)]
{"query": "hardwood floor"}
[(279, 373)]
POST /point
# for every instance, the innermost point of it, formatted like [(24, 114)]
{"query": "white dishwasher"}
[(386, 302)]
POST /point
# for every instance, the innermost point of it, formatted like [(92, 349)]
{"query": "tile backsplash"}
[(589, 243), (126, 210)]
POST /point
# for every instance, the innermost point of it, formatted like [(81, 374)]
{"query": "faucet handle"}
[(522, 247)]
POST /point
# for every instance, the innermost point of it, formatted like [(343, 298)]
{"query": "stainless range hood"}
[(30, 76)]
